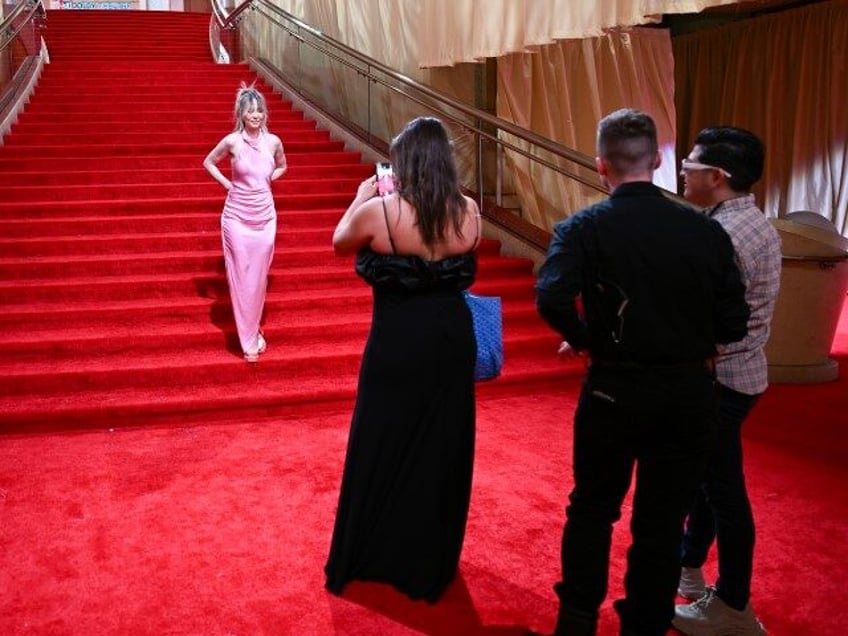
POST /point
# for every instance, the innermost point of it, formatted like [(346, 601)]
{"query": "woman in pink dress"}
[(249, 220)]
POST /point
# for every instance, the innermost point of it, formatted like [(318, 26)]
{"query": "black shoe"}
[(571, 624)]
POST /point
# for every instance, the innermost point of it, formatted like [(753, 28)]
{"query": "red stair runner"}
[(113, 302)]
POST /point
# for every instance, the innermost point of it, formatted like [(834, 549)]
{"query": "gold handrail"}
[(483, 126), (225, 23), (21, 76), (7, 30), (229, 20)]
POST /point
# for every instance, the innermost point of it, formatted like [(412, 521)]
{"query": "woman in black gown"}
[(406, 484)]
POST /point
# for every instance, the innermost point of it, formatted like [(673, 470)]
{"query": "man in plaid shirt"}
[(718, 174)]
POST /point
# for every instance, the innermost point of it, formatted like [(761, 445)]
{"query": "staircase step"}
[(104, 132), (346, 184), (291, 304), (51, 152), (92, 142), (122, 101), (190, 72), (151, 277), (12, 164), (219, 117), (27, 345), (176, 175), (159, 90), (184, 366), (101, 251), (259, 390), (86, 226), (108, 207)]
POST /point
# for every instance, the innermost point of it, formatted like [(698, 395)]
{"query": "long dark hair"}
[(426, 177)]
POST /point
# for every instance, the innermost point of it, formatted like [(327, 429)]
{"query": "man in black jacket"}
[(659, 290)]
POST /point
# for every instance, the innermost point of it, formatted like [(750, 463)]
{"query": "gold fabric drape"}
[(783, 77), (562, 90), (468, 30)]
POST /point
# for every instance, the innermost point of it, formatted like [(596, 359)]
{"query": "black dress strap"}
[(388, 228)]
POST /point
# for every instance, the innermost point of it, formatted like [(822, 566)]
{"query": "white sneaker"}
[(710, 616), (692, 584)]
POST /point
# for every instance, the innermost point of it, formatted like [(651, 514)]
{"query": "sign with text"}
[(95, 4)]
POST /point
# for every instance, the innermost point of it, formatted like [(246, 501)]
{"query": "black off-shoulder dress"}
[(406, 484)]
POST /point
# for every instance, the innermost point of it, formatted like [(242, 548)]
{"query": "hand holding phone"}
[(385, 178)]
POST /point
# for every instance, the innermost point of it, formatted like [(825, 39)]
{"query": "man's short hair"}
[(740, 152), (627, 140)]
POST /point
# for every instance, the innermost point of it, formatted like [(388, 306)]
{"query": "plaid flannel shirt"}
[(742, 365)]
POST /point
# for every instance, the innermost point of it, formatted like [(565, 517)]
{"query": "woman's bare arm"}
[(355, 229), (279, 159), (224, 147)]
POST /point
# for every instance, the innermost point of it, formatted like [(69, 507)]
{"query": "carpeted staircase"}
[(114, 308)]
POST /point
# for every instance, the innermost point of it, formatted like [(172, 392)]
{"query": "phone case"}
[(385, 179)]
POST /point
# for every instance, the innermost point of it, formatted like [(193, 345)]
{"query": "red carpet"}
[(114, 301), (221, 528), (152, 483)]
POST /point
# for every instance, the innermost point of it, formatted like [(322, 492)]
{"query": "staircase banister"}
[(7, 27), (229, 20), (484, 117), (25, 25)]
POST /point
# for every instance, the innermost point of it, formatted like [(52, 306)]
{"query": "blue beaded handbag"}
[(488, 331)]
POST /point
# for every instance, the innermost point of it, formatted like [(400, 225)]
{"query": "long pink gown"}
[(248, 227)]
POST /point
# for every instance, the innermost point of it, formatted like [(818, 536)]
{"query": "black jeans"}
[(661, 421), (721, 509)]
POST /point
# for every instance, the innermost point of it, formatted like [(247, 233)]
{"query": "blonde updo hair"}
[(246, 97)]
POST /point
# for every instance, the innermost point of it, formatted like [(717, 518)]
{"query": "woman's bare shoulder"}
[(230, 139), (471, 205), (275, 139), (371, 207), (226, 145)]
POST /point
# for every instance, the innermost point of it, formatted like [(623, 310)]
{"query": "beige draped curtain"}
[(411, 34), (562, 90), (468, 30), (783, 77)]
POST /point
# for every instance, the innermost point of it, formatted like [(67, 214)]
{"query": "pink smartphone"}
[(385, 178)]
